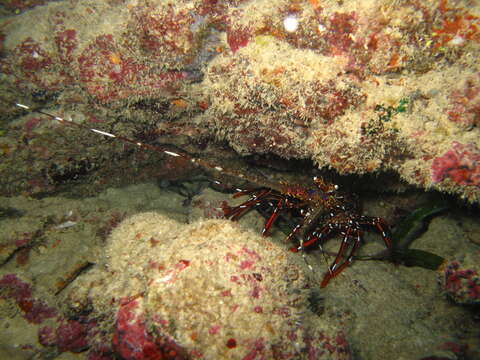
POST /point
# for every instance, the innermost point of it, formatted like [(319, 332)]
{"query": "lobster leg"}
[(235, 212), (255, 192), (335, 268), (273, 217), (312, 239), (384, 231), (291, 235), (257, 198), (380, 226)]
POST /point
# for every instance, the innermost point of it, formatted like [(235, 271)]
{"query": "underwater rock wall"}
[(359, 87)]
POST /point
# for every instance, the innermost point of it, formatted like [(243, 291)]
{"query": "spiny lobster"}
[(322, 209)]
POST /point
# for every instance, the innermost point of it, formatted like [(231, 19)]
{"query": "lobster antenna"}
[(324, 255), (197, 161), (69, 122)]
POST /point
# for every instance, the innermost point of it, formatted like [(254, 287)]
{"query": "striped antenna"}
[(157, 148)]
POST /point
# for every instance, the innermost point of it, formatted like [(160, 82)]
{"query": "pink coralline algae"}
[(164, 29), (22, 4), (36, 59), (66, 42), (70, 335), (342, 27), (32, 123), (238, 38), (132, 341), (47, 336), (465, 103), (334, 347), (461, 164), (66, 335), (462, 285), (110, 75), (103, 65), (33, 310), (30, 63)]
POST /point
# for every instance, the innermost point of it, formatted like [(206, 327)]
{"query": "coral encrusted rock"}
[(207, 290)]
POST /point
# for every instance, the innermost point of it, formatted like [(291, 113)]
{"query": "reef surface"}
[(110, 251), (357, 87)]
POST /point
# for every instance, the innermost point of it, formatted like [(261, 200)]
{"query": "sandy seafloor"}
[(386, 311)]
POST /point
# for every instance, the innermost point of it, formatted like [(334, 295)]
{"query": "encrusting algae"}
[(210, 290)]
